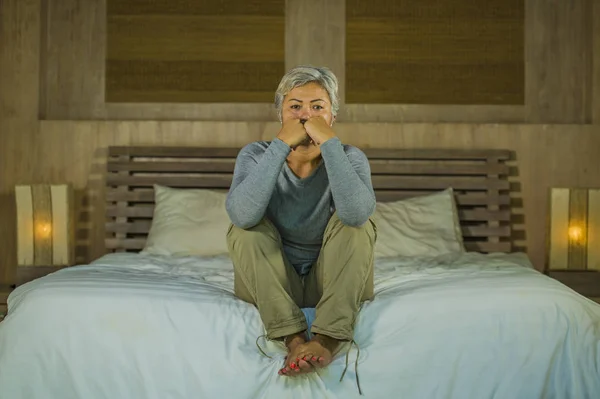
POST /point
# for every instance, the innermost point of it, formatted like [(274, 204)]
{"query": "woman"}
[(301, 233)]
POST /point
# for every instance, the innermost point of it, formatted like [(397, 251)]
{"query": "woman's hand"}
[(319, 130), (292, 133)]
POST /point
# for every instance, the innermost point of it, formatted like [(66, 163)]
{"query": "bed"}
[(478, 322)]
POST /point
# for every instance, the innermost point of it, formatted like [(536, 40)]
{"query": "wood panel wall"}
[(445, 52), (558, 68), (51, 79), (194, 51), (596, 63)]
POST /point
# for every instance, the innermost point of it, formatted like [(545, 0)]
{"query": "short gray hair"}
[(304, 74)]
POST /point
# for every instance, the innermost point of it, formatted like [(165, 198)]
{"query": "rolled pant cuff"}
[(290, 328), (339, 335)]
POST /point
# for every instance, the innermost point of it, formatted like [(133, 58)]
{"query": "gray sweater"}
[(264, 185)]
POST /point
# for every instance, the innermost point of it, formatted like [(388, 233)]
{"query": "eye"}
[(317, 107), (295, 106)]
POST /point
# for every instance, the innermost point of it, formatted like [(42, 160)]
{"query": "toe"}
[(304, 366)]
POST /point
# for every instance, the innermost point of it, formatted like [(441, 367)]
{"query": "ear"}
[(332, 121)]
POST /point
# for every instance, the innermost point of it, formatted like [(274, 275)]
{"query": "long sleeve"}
[(254, 178), (350, 181)]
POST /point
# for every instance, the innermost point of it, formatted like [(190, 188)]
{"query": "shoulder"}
[(256, 147), (254, 150)]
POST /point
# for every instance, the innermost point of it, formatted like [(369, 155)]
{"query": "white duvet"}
[(132, 326)]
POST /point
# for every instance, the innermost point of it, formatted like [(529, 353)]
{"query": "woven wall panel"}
[(194, 51), (435, 52)]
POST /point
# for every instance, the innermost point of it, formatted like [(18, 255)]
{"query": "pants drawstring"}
[(260, 348), (355, 365)]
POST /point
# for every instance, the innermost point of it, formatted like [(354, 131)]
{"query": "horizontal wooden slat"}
[(138, 244), (139, 195), (484, 246), (438, 154), (125, 243), (143, 227), (440, 183), (175, 152), (173, 167), (476, 215), (207, 181), (437, 168), (470, 199), (377, 167), (485, 231), (461, 199), (379, 182), (372, 153), (137, 227), (147, 211)]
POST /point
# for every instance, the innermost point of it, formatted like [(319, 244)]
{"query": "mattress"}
[(457, 326)]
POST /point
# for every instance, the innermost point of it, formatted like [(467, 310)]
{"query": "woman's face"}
[(304, 102)]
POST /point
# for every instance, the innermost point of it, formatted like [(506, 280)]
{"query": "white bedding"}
[(133, 326)]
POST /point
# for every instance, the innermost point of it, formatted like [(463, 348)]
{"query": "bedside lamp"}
[(574, 229), (45, 225)]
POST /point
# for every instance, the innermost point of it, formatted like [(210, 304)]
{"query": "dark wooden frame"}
[(585, 282), (479, 178)]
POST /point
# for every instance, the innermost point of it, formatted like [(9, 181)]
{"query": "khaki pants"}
[(336, 285)]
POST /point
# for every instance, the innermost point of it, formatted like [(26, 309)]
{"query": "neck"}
[(303, 163)]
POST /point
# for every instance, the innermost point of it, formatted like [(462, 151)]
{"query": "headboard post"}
[(123, 158), (493, 206)]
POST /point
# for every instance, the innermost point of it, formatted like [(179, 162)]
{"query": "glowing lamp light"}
[(574, 237), (45, 232), (575, 234)]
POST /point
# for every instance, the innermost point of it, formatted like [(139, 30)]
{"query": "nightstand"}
[(585, 282), (26, 274), (5, 290)]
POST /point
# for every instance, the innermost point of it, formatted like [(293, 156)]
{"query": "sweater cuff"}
[(278, 146), (332, 146)]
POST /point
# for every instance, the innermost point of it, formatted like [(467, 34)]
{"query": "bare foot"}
[(293, 364), (304, 356), (318, 351)]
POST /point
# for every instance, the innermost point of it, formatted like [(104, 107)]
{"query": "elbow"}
[(357, 216), (243, 220), (242, 223)]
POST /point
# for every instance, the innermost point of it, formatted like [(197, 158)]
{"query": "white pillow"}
[(421, 226), (188, 222)]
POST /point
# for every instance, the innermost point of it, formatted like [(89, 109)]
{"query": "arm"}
[(253, 183), (350, 182)]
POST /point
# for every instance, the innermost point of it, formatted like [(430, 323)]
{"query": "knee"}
[(366, 231), (262, 233)]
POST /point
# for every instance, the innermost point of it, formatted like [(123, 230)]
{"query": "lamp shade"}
[(574, 229), (45, 225)]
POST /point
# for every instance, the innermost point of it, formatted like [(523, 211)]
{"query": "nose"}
[(304, 113)]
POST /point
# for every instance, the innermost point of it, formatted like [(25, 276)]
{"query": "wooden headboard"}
[(479, 178)]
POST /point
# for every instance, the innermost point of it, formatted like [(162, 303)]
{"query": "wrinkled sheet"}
[(458, 326)]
